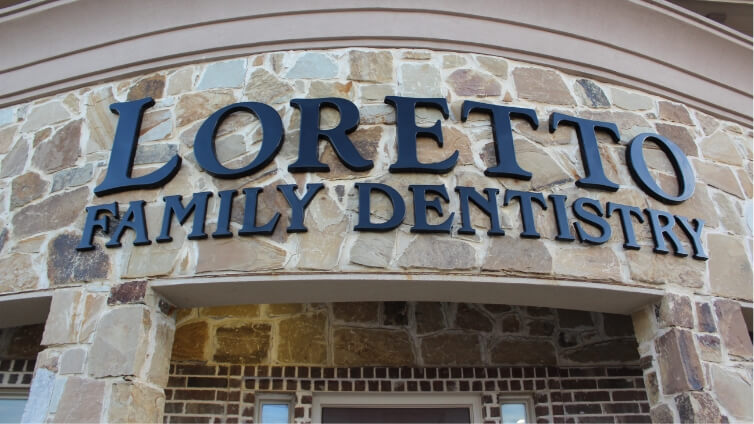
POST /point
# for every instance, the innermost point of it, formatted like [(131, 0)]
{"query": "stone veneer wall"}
[(402, 334), (53, 151)]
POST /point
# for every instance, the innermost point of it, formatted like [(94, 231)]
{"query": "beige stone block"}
[(135, 402), (152, 260), (370, 66), (45, 114), (680, 368), (376, 93), (675, 311), (563, 135), (319, 89), (700, 205), (27, 188), (81, 402), (709, 348), (708, 123), (588, 263), (62, 321), (733, 391), (162, 345), (152, 86), (18, 273), (496, 66), (746, 182), (51, 213), (303, 339), (733, 329), (731, 214), (7, 136), (648, 267), (100, 121), (438, 253), (180, 82), (679, 135), (198, 106), (61, 151), (354, 346), (94, 304), (120, 343), (373, 249), (517, 256), (718, 176), (13, 163), (366, 140), (467, 82), (730, 268), (320, 249), (72, 361), (238, 254), (542, 85), (630, 101), (420, 80), (453, 61), (720, 148), (674, 112)]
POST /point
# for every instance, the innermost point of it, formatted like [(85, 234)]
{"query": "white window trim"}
[(518, 398), (473, 401), (14, 393), (276, 398)]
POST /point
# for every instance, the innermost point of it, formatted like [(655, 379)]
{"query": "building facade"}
[(327, 212)]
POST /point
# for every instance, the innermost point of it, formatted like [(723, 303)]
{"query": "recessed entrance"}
[(396, 408)]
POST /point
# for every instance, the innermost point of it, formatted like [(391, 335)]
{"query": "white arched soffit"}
[(650, 45)]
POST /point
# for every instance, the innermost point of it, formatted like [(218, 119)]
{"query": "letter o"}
[(640, 172), (272, 138)]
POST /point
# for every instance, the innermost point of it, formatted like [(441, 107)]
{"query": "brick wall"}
[(226, 393)]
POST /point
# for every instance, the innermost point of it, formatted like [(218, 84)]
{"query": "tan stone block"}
[(453, 61), (162, 344), (135, 402), (72, 361), (61, 151), (629, 124), (198, 106), (153, 260), (630, 101), (18, 273), (320, 249), (709, 124), (303, 339), (100, 120), (733, 328), (674, 112), (453, 140), (180, 82), (700, 205), (27, 188), (54, 212), (94, 304), (731, 215), (535, 159), (13, 163), (373, 249), (7, 136), (81, 402), (246, 344), (420, 80), (120, 343), (319, 89), (648, 267), (190, 342), (588, 263), (451, 349), (718, 176), (238, 311), (467, 82), (356, 312), (278, 309), (367, 346), (370, 66), (376, 93), (496, 66), (45, 114), (679, 135), (541, 85), (720, 148), (516, 350), (733, 391), (238, 255), (746, 182), (709, 348), (438, 253), (517, 256), (62, 325), (563, 135), (152, 86), (730, 269), (697, 407), (680, 369)]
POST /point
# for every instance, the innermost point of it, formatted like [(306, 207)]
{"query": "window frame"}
[(473, 401), (526, 399), (260, 399), (15, 393)]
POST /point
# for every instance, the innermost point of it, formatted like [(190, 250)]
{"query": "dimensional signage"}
[(588, 213)]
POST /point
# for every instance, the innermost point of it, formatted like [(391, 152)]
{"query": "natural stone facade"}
[(54, 151)]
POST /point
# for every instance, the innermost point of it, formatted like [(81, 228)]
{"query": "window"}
[(516, 410), (274, 408), (12, 403), (396, 408)]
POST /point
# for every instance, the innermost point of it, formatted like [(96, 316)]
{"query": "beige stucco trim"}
[(641, 44), (353, 287)]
